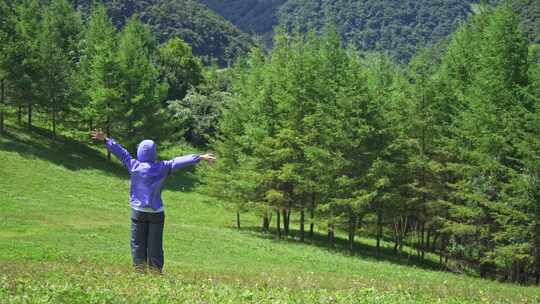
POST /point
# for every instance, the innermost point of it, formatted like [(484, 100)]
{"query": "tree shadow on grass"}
[(70, 154), (184, 180), (74, 155), (360, 250)]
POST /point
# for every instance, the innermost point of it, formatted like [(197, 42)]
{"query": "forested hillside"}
[(398, 27), (209, 34), (254, 16), (529, 11)]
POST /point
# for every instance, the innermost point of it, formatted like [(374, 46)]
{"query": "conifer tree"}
[(7, 29), (100, 72), (423, 121), (23, 57), (179, 68), (140, 113), (486, 133), (58, 53), (237, 178)]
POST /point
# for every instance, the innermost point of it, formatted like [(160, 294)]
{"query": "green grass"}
[(64, 237)]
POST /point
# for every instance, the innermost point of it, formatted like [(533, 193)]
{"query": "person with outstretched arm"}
[(147, 214)]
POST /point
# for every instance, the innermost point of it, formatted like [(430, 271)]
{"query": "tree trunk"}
[(302, 225), (442, 251), (428, 238), (286, 222), (29, 116), (422, 241), (54, 124), (108, 131), (1, 121), (278, 224), (397, 234), (266, 223), (537, 243), (537, 253), (238, 220), (352, 231), (19, 115), (418, 246), (434, 242), (312, 216), (2, 102), (423, 184), (405, 231), (331, 236), (379, 232)]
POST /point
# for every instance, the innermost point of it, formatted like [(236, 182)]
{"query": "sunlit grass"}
[(64, 237)]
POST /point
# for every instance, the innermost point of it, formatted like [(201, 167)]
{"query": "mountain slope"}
[(254, 16), (210, 35), (396, 27), (529, 11)]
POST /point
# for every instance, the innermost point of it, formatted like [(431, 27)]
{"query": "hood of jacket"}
[(147, 152)]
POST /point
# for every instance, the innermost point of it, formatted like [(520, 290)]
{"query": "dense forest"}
[(209, 34), (255, 16), (81, 73), (439, 155), (396, 27), (529, 11)]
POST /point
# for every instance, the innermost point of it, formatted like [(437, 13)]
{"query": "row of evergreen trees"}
[(441, 155), (86, 74)]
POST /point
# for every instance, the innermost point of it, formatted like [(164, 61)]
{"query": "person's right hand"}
[(209, 157), (97, 135)]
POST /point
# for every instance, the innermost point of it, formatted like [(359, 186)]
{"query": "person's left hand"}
[(209, 157)]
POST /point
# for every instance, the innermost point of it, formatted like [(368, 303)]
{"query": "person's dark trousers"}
[(147, 239)]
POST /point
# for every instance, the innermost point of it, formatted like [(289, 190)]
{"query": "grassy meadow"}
[(64, 238)]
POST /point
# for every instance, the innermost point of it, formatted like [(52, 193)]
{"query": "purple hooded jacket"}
[(147, 174)]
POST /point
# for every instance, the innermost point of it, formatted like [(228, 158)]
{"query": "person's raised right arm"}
[(116, 149)]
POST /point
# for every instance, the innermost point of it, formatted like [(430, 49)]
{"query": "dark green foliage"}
[(488, 167), (140, 114), (99, 72), (58, 53), (257, 17), (6, 43), (23, 55), (439, 155), (529, 11), (396, 27), (179, 68), (197, 114), (40, 60), (210, 36)]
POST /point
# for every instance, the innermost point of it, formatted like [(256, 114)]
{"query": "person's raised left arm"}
[(183, 161)]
